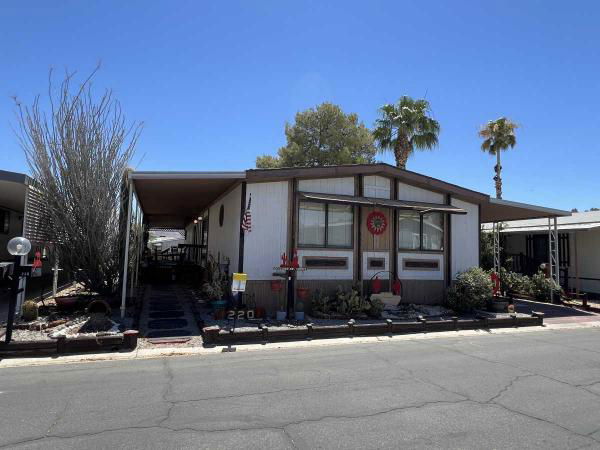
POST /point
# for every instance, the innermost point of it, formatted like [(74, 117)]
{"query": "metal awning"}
[(420, 207), (499, 210), (173, 199)]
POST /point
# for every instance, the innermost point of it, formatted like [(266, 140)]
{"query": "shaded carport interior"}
[(13, 192), (174, 199)]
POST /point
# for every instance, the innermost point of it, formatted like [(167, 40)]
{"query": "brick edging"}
[(216, 336)]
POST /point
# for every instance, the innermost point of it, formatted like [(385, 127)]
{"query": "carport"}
[(167, 201), (496, 211)]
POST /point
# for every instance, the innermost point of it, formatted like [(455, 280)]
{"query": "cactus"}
[(30, 310)]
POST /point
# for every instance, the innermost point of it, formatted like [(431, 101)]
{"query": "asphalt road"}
[(523, 390)]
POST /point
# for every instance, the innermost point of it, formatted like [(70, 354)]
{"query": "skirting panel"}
[(424, 292)]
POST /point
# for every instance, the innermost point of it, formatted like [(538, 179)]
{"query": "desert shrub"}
[(350, 303), (471, 290), (30, 310), (515, 282), (346, 303), (321, 302), (376, 307), (542, 286)]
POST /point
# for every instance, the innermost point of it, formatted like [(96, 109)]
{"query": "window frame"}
[(421, 249), (326, 239)]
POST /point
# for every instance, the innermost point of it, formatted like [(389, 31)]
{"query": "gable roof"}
[(347, 170)]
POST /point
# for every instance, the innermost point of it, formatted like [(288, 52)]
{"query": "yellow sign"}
[(239, 282)]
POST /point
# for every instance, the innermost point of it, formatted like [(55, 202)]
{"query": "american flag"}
[(247, 219)]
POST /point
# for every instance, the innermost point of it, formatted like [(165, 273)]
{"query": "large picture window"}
[(325, 225), (420, 231)]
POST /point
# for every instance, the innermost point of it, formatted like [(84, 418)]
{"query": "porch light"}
[(18, 246), (199, 218), (195, 221)]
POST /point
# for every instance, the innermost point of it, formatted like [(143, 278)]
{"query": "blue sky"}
[(215, 82)]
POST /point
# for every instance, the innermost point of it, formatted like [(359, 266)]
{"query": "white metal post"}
[(553, 261), (55, 277), (496, 235), (126, 255), (23, 280), (556, 253)]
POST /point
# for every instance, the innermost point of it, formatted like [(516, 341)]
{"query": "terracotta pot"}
[(259, 312), (302, 293), (219, 314)]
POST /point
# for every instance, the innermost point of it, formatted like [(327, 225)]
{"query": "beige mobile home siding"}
[(266, 242), (224, 240), (417, 194), (465, 237), (340, 186)]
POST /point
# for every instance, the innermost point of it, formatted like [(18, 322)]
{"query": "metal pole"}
[(23, 259), (12, 305), (556, 253), (126, 256), (55, 277), (496, 236)]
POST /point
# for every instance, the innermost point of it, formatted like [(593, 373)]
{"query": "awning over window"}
[(420, 207)]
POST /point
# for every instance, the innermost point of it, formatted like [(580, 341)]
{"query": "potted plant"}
[(213, 292)]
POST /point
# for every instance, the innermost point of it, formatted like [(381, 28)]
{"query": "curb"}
[(216, 336), (64, 345)]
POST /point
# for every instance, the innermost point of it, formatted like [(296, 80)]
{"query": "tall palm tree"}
[(404, 127), (498, 135)]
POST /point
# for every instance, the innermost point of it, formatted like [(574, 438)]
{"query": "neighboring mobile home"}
[(348, 223), (526, 242), (21, 214)]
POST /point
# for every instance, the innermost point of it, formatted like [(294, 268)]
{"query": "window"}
[(409, 226), (339, 226), (4, 221), (325, 225), (420, 231), (433, 231), (376, 186)]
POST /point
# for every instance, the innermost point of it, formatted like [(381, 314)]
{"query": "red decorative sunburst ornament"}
[(376, 223)]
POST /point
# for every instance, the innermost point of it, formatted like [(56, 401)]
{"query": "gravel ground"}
[(75, 320)]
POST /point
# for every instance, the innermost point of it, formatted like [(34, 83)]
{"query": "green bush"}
[(515, 282), (542, 286), (471, 290)]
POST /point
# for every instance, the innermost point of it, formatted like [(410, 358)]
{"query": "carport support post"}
[(496, 236), (554, 270), (126, 255)]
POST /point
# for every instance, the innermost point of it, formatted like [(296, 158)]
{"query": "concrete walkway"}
[(166, 313), (556, 313)]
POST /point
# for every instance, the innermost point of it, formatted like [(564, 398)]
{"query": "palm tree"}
[(404, 127), (498, 135)]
